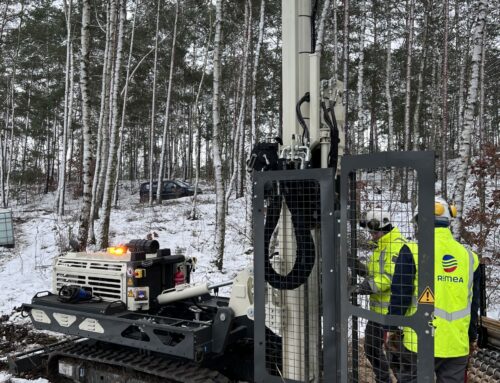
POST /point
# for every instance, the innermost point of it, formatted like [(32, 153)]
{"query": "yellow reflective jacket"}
[(454, 268), (380, 268)]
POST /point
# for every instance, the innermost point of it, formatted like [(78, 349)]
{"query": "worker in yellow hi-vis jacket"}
[(379, 271), (456, 290)]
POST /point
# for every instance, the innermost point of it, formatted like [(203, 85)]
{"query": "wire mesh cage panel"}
[(6, 229), (382, 248), (291, 218)]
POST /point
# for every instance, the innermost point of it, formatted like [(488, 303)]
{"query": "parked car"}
[(171, 189)]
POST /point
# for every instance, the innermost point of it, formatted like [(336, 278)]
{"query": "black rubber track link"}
[(130, 361)]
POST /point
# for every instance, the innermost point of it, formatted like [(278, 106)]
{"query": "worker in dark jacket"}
[(456, 290), (379, 272)]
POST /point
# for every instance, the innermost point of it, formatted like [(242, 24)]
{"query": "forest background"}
[(94, 93)]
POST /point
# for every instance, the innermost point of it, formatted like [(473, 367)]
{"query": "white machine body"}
[(105, 274)]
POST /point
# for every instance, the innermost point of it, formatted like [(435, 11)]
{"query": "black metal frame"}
[(197, 337), (326, 181), (423, 163)]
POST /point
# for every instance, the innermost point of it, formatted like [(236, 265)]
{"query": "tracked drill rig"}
[(291, 315)]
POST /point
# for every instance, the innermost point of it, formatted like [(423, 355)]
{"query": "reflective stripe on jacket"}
[(454, 268), (381, 269)]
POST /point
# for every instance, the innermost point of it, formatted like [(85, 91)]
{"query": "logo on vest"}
[(449, 263)]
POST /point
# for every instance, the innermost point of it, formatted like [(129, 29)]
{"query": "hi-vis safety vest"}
[(381, 267), (454, 268)]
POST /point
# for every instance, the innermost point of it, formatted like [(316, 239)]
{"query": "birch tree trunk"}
[(461, 93), (112, 158), (436, 78), (361, 112), (86, 127), (348, 135), (67, 94), (471, 104), (238, 142), (26, 128), (416, 112), (106, 131), (252, 137), (69, 152), (388, 72), (124, 106), (407, 134), (444, 126), (335, 41), (10, 132), (101, 127), (481, 127), (220, 229), (408, 75), (321, 28), (194, 214), (3, 138), (153, 106), (164, 145), (373, 143)]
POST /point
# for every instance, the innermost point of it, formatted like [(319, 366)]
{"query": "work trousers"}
[(374, 351), (447, 370)]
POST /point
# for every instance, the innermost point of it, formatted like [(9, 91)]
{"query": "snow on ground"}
[(7, 378), (40, 236)]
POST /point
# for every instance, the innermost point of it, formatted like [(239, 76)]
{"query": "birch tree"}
[(102, 127), (68, 94), (113, 149), (361, 112), (153, 106), (124, 105), (9, 132), (409, 43), (407, 132), (86, 127), (345, 54), (335, 41), (220, 229), (471, 104), (238, 142), (388, 72), (252, 138), (416, 112), (193, 215), (167, 108), (108, 114), (444, 126)]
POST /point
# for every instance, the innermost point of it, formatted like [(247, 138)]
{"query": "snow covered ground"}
[(41, 236)]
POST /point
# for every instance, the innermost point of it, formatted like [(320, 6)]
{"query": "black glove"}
[(364, 288)]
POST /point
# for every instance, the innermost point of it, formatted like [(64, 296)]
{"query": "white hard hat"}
[(376, 219), (443, 211)]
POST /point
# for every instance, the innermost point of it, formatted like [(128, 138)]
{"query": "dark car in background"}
[(171, 189)]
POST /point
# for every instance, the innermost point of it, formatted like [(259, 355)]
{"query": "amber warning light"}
[(117, 250)]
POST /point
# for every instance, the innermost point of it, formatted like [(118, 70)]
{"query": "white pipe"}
[(182, 292)]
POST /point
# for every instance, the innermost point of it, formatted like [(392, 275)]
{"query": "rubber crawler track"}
[(170, 370)]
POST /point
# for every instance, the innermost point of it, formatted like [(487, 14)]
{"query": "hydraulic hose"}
[(301, 220), (305, 97), (331, 121)]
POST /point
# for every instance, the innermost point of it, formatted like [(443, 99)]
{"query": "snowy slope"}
[(40, 236)]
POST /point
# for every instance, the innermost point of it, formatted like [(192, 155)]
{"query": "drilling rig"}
[(292, 316)]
